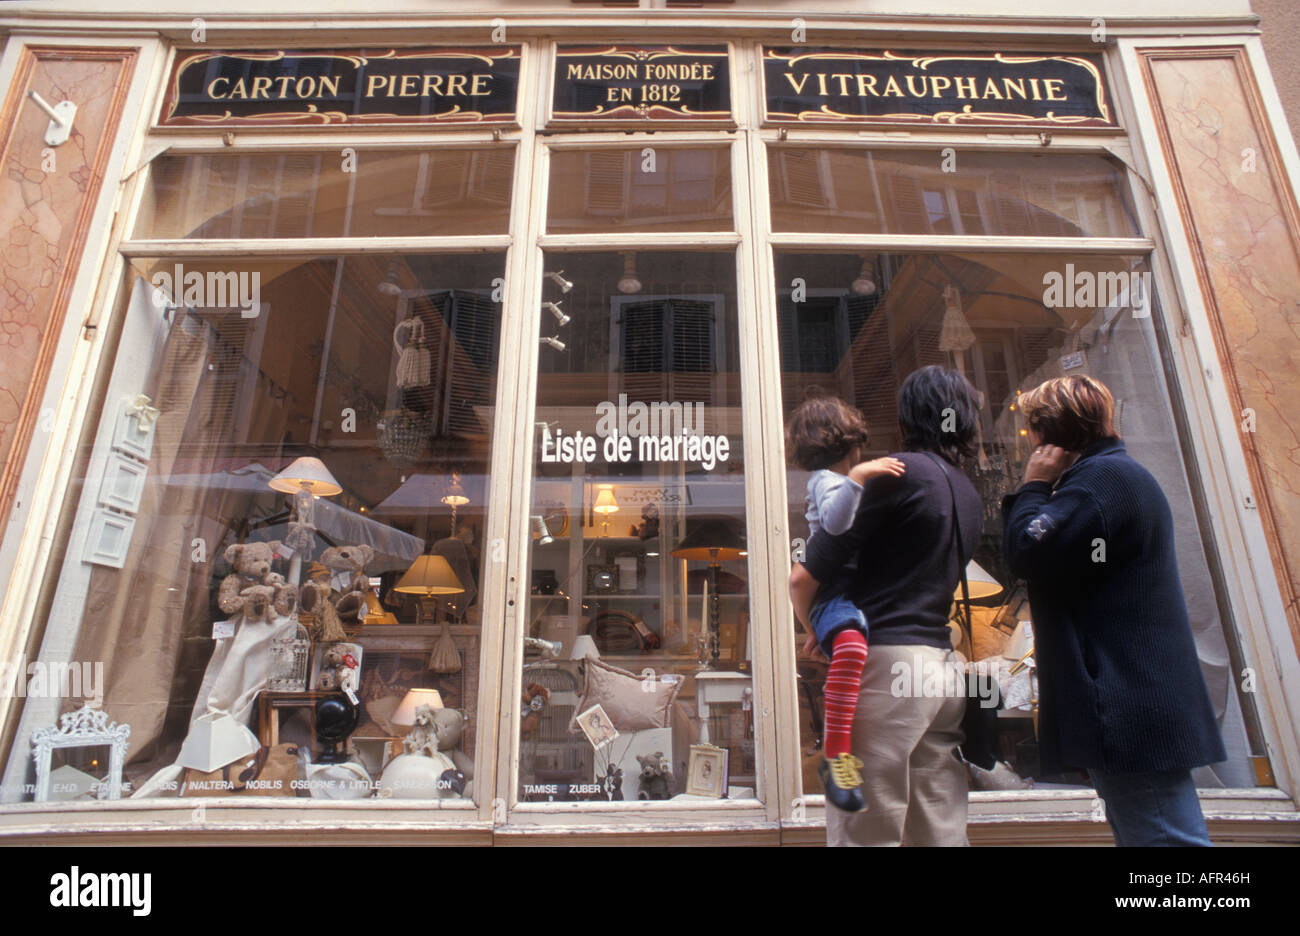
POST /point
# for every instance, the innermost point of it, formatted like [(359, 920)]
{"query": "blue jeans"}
[(1158, 808), (833, 615)]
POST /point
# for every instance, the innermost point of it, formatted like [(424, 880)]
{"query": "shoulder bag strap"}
[(961, 558)]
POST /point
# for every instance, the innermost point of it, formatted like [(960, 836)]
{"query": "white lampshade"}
[(429, 576), (584, 647), (981, 584), (405, 714), (1021, 642), (215, 740), (306, 474), (605, 502), (454, 494)]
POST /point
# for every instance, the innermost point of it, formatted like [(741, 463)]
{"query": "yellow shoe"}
[(842, 782)]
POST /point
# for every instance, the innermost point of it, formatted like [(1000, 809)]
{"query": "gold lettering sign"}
[(843, 86), (640, 84), (296, 87)]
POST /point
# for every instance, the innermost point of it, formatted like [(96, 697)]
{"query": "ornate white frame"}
[(86, 727)]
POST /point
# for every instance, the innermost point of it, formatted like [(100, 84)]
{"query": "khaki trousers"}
[(915, 788)]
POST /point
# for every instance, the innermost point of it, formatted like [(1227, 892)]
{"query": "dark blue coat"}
[(1120, 685)]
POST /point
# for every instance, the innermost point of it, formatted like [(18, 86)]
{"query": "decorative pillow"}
[(627, 703)]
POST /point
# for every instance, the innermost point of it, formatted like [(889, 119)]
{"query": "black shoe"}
[(842, 782)]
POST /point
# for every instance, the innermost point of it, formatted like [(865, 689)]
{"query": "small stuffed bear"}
[(423, 736), (350, 601), (534, 703), (450, 724), (346, 606), (253, 589), (338, 670), (656, 778)]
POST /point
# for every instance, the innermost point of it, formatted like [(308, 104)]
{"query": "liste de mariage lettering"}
[(664, 432)]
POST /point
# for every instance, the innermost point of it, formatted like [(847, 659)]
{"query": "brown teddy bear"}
[(253, 590), (338, 669), (656, 778), (345, 606)]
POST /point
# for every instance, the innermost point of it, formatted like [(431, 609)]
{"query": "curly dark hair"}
[(822, 431), (938, 413)]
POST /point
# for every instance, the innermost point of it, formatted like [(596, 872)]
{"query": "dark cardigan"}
[(1120, 685)]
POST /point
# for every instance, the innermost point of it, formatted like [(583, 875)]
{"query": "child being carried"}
[(826, 436)]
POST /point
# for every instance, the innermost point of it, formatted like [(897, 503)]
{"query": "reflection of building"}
[(733, 260)]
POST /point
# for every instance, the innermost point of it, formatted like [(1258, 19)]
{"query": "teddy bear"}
[(656, 778), (423, 736), (252, 589), (449, 724), (534, 703), (338, 670), (343, 605)]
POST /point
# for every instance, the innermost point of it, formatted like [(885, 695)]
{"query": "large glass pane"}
[(640, 189), (321, 423), (863, 323), (329, 194), (948, 191), (636, 679)]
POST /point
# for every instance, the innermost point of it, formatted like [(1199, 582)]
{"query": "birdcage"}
[(290, 659)]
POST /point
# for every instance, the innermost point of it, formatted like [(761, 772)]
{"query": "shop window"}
[(368, 194), (636, 683), (368, 380), (894, 191), (866, 322), (640, 189)]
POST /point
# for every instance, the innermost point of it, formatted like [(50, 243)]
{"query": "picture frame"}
[(706, 772), (86, 727), (109, 538), (601, 579), (597, 726), (123, 483), (134, 432)]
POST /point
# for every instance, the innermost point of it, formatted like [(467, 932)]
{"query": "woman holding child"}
[(882, 570)]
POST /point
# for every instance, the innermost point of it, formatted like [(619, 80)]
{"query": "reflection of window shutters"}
[(471, 370), (668, 349), (233, 387), (801, 174), (460, 331), (606, 182), (490, 168), (908, 201)]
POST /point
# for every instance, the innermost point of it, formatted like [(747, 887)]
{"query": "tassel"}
[(444, 658), (329, 629), (414, 365)]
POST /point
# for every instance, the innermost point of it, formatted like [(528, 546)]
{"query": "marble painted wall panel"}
[(1241, 213), (47, 197)]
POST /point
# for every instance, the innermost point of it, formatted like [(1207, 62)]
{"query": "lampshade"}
[(309, 474), (405, 714), (454, 495), (982, 585), (429, 576), (605, 503), (584, 647), (216, 739), (712, 540)]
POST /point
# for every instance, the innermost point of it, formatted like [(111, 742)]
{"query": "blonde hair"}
[(1072, 412)]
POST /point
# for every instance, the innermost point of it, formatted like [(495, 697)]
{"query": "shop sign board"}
[(639, 85), (305, 87), (846, 87)]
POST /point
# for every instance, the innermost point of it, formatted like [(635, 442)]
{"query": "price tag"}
[(223, 629), (352, 696)]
